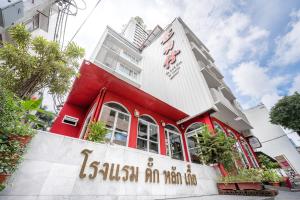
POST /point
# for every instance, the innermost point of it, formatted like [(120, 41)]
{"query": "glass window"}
[(116, 119), (249, 152), (147, 138), (192, 134), (243, 159), (173, 143), (127, 71), (218, 127)]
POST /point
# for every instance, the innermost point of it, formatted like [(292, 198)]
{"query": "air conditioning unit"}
[(10, 12)]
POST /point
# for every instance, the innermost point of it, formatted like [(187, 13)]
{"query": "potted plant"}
[(272, 177), (22, 133), (10, 153), (97, 132), (249, 179), (227, 183)]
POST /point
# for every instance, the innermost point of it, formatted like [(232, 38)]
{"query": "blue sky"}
[(256, 44)]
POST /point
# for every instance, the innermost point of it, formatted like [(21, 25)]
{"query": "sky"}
[(255, 44)]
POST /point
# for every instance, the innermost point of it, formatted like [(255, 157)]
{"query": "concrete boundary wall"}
[(51, 168)]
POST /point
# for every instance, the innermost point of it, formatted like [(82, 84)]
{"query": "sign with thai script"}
[(172, 68), (127, 173)]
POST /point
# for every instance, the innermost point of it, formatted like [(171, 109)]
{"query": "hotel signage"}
[(128, 173), (170, 62)]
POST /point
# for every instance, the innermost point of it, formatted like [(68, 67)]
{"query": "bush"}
[(271, 175), (244, 175), (216, 148), (10, 153), (97, 132)]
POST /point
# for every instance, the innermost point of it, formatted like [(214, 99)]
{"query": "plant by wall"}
[(30, 64), (267, 163), (270, 175), (243, 175), (97, 131), (216, 148)]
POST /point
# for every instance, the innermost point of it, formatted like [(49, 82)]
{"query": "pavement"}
[(283, 194)]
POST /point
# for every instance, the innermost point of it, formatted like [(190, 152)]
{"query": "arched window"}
[(116, 119), (218, 127), (239, 149), (192, 134), (249, 152), (173, 142), (147, 138)]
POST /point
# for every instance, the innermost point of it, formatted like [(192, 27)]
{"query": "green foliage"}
[(10, 152), (286, 112), (97, 132), (267, 163), (30, 64), (216, 148), (2, 187), (270, 175), (9, 110), (243, 175)]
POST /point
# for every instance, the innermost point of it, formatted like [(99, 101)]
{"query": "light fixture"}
[(163, 123), (136, 113)]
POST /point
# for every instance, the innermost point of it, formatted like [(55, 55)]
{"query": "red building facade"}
[(137, 119)]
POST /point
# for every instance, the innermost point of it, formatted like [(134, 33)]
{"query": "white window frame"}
[(249, 152), (190, 134), (168, 139), (239, 148), (148, 133), (72, 118), (115, 122)]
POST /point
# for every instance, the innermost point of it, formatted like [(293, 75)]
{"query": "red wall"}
[(107, 96), (65, 129)]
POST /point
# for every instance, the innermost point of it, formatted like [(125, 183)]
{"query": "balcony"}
[(215, 70), (211, 79), (109, 61), (227, 92), (228, 112)]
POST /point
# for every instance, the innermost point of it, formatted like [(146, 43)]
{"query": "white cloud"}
[(287, 47), (295, 85), (229, 34), (253, 80)]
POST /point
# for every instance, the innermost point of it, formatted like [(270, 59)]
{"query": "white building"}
[(135, 31), (35, 14), (173, 66), (274, 140)]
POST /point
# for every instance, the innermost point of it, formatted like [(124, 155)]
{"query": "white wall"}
[(264, 130), (188, 90), (51, 167)]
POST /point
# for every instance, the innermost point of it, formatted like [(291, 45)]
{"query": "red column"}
[(162, 142), (185, 149), (99, 103), (132, 142), (208, 122)]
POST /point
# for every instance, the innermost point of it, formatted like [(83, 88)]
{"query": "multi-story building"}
[(135, 31), (275, 142), (155, 95), (35, 14)]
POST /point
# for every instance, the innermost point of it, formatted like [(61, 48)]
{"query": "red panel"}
[(92, 78), (65, 129)]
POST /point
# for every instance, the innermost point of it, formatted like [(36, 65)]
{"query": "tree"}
[(30, 64), (216, 148), (286, 112)]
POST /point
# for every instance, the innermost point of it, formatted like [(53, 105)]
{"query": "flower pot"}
[(3, 177), (226, 186), (275, 184), (250, 186), (24, 140)]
